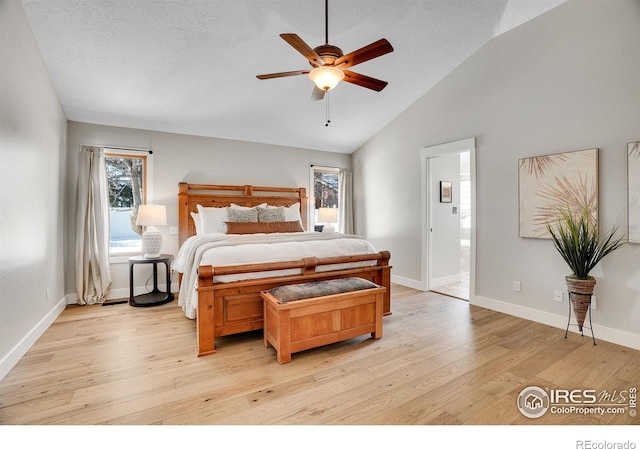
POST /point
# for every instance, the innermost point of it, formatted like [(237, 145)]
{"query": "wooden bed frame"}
[(234, 307)]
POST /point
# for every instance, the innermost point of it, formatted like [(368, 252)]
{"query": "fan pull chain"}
[(328, 119)]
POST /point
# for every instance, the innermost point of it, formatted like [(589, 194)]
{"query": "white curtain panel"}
[(345, 224), (93, 274)]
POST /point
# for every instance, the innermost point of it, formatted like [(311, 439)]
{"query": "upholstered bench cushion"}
[(288, 293)]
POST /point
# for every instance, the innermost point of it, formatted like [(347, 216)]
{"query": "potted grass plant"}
[(582, 246)]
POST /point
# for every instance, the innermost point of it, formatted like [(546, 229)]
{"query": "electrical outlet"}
[(557, 295), (46, 294), (173, 230), (516, 286), (594, 305)]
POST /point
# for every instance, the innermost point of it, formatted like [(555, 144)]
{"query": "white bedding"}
[(222, 249)]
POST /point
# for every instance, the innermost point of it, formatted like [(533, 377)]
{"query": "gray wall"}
[(179, 157), (567, 80), (32, 201)]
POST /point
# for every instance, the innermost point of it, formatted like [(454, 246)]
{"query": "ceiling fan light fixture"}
[(326, 77)]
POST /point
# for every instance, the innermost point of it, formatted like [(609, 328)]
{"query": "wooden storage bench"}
[(313, 314)]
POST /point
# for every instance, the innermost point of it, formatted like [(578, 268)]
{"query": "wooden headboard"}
[(209, 195)]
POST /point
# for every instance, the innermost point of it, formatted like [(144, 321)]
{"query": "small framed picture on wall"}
[(445, 191)]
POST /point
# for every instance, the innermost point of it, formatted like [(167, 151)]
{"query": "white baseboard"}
[(406, 282), (13, 357), (123, 293), (560, 321)]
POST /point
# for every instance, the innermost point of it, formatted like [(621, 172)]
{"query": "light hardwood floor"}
[(440, 361), (458, 290)]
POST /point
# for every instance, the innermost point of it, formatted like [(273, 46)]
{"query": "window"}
[(326, 194), (127, 178)]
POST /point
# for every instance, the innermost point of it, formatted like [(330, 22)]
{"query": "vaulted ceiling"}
[(190, 66)]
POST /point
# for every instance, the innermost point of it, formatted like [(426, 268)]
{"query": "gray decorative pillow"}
[(271, 215), (243, 215)]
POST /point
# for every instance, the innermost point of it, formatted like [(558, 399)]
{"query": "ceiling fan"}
[(329, 64)]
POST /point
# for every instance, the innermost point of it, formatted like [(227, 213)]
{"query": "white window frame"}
[(147, 155), (312, 191)]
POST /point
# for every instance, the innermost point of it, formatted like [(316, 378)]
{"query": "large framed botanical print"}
[(633, 193), (549, 183)]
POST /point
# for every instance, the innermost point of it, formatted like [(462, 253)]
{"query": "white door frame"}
[(439, 150)]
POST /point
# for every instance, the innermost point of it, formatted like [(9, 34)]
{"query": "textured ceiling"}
[(190, 66)]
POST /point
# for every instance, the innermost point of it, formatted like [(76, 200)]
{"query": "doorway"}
[(449, 235)]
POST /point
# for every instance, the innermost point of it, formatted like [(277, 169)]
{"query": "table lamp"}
[(150, 216), (328, 215)]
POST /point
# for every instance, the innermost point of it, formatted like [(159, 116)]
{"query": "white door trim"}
[(439, 150)]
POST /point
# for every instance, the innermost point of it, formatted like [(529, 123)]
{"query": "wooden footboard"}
[(234, 307)]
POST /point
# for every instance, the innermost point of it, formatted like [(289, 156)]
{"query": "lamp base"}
[(151, 243), (151, 256)]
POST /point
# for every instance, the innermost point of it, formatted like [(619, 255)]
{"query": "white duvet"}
[(223, 249)]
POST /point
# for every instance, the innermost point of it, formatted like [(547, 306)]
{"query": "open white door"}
[(448, 233)]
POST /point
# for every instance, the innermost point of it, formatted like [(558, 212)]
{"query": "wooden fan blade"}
[(378, 48), (364, 81), (282, 74), (317, 94), (296, 42)]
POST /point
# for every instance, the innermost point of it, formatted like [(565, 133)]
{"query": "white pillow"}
[(196, 222), (292, 213), (235, 206), (212, 219)]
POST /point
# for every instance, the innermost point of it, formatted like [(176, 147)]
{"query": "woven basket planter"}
[(580, 291)]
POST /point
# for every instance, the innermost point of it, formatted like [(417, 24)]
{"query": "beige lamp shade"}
[(150, 216), (327, 215)]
